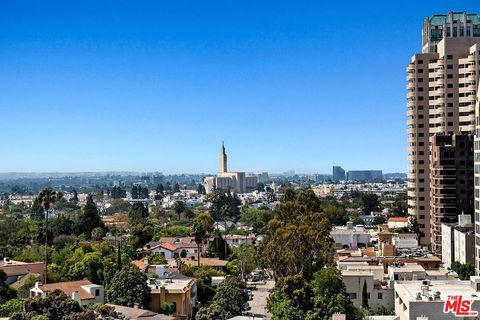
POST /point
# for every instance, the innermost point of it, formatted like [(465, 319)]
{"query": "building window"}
[(97, 292), (380, 296), (353, 295)]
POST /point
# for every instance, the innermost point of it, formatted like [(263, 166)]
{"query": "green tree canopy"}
[(56, 306), (128, 287), (227, 302), (118, 193), (137, 212), (298, 240), (89, 218)]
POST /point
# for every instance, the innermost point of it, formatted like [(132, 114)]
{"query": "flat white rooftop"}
[(410, 289)]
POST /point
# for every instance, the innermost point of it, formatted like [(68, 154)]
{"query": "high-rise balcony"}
[(437, 74), (411, 95), (411, 77), (411, 85)]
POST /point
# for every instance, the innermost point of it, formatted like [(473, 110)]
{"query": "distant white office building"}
[(238, 182), (350, 237)]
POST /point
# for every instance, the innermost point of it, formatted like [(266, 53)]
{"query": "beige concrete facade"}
[(441, 95), (182, 293), (476, 146)]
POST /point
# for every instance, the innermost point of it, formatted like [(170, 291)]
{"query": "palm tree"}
[(201, 230), (198, 233), (46, 198)]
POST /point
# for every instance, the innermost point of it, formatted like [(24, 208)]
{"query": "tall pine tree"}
[(365, 296), (89, 218)]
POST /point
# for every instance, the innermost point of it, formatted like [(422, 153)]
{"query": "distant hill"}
[(395, 175)]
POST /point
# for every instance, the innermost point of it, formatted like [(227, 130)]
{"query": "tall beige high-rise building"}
[(442, 86)]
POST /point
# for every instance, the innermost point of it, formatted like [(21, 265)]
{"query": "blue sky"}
[(157, 85)]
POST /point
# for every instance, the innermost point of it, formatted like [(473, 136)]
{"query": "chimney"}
[(162, 295), (76, 296)]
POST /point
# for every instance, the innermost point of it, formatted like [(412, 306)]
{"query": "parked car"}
[(256, 276)]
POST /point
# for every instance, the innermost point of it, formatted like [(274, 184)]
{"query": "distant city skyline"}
[(150, 86)]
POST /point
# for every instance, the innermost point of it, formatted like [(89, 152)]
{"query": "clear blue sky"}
[(157, 85)]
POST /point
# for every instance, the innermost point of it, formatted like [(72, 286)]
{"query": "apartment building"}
[(476, 144), (458, 242), (442, 86), (426, 299), (451, 183), (379, 292)]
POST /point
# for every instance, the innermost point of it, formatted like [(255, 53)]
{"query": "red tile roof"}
[(167, 246), (69, 287), (398, 219)]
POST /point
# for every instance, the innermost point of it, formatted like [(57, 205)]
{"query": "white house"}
[(82, 291), (236, 240)]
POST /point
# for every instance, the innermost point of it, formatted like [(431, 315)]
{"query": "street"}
[(259, 302)]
